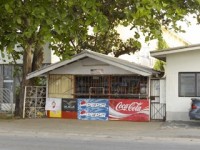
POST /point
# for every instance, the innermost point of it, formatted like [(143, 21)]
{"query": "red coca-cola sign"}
[(131, 110)]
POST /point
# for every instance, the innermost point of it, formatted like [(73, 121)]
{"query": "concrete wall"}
[(178, 107), (89, 66)]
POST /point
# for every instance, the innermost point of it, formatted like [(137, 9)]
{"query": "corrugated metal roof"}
[(123, 64)]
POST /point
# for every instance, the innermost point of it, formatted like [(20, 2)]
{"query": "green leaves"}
[(19, 21), (8, 8), (66, 22), (137, 35)]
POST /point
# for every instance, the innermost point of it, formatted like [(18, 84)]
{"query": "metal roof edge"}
[(54, 66), (126, 65), (164, 52), (115, 61)]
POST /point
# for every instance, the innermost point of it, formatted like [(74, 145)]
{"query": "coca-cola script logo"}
[(134, 106)]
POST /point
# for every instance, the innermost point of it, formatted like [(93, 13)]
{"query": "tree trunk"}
[(37, 62), (27, 68)]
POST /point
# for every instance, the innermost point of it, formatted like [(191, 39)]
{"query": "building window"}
[(189, 84), (8, 72)]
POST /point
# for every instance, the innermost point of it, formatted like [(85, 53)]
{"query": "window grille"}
[(113, 87)]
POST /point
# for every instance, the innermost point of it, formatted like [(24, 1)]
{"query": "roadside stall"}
[(93, 86), (127, 95)]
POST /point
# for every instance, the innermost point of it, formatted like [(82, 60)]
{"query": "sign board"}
[(93, 109), (130, 110), (53, 104), (69, 104)]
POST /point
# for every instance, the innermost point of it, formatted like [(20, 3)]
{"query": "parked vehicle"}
[(194, 112)]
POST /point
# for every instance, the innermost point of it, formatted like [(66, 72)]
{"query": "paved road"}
[(13, 142), (19, 134), (62, 127)]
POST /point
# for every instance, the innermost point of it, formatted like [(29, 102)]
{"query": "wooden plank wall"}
[(61, 86)]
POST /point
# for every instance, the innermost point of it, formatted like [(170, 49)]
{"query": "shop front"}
[(126, 95), (92, 86)]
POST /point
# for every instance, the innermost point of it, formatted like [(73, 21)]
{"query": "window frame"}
[(195, 86)]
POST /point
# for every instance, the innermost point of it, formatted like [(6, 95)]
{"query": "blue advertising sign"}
[(93, 109)]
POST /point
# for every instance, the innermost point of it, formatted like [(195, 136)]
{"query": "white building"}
[(182, 75)]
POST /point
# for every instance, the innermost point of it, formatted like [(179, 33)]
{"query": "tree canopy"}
[(145, 17), (65, 24)]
